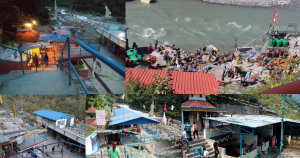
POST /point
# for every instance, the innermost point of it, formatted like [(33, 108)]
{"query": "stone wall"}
[(245, 110)]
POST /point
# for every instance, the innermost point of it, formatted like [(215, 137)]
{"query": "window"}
[(200, 95), (192, 95)]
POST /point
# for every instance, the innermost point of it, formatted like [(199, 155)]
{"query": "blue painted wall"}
[(95, 147)]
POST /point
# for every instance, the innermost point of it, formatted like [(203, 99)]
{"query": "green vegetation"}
[(70, 104), (12, 10), (99, 102), (79, 67), (161, 85), (273, 101)]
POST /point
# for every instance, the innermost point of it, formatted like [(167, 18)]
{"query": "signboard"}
[(100, 117)]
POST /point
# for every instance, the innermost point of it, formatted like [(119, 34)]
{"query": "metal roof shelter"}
[(128, 117), (53, 37), (4, 139), (52, 115), (25, 47), (253, 121)]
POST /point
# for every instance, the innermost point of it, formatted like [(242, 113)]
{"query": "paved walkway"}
[(51, 140), (41, 82), (114, 81)]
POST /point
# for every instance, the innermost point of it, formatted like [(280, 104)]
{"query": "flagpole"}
[(282, 126), (123, 113)]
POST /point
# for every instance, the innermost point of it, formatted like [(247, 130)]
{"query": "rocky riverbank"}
[(259, 3)]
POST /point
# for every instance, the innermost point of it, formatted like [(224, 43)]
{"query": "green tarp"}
[(131, 52)]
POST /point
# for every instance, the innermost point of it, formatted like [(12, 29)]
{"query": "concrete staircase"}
[(196, 143)]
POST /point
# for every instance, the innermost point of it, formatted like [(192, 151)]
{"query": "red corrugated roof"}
[(184, 82), (289, 88), (28, 37), (91, 109), (198, 103)]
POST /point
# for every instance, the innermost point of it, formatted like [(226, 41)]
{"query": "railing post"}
[(194, 153), (36, 63), (62, 61), (62, 149), (22, 62), (69, 60)]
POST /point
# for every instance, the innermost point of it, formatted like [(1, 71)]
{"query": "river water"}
[(191, 23)]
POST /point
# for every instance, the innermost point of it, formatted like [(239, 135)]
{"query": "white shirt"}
[(206, 153), (184, 134)]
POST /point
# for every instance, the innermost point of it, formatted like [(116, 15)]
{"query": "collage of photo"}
[(149, 79)]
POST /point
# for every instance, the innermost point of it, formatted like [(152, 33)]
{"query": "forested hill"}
[(70, 104), (272, 101), (99, 101), (117, 7)]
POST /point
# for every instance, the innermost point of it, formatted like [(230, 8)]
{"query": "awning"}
[(25, 47), (129, 117)]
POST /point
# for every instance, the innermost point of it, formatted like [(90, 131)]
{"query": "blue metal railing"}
[(112, 64), (99, 150), (21, 56), (115, 66), (195, 150), (62, 151), (33, 154)]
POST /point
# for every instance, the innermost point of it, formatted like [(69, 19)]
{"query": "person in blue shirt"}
[(191, 69), (200, 150), (197, 53), (188, 128)]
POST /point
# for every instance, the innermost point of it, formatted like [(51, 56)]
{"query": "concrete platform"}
[(41, 82)]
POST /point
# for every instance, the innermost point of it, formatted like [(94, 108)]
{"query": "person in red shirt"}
[(150, 48), (295, 55)]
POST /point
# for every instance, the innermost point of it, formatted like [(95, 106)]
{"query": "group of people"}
[(35, 59), (187, 136)]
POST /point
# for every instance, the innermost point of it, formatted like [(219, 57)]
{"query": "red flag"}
[(274, 20), (276, 14), (165, 107)]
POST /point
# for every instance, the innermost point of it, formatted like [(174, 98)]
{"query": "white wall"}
[(88, 145), (252, 154), (72, 121), (61, 126), (39, 119), (249, 139), (267, 130), (212, 132), (263, 148), (197, 97)]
